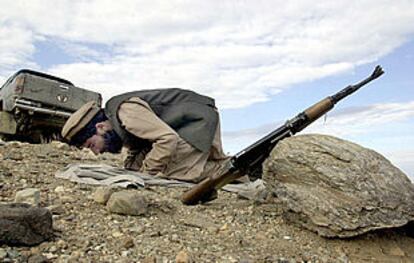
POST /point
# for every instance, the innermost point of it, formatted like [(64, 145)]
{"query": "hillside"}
[(228, 229)]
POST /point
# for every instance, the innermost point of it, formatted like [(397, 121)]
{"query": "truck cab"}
[(34, 106)]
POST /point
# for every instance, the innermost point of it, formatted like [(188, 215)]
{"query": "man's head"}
[(89, 127)]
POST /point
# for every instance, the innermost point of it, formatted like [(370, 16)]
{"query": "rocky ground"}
[(228, 229)]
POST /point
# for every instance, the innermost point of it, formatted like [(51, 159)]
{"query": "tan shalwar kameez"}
[(169, 155)]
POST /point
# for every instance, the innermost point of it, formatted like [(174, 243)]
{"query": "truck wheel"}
[(47, 138)]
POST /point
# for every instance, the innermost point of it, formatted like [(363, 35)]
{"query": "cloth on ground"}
[(102, 174)]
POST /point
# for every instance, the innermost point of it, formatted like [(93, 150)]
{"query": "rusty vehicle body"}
[(34, 106)]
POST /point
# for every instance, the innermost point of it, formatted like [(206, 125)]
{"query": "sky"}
[(262, 61)]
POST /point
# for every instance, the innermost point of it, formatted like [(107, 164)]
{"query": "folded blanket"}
[(102, 174)]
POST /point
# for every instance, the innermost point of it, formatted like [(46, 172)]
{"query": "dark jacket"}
[(193, 116)]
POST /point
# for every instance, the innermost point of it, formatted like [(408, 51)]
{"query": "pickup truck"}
[(34, 105)]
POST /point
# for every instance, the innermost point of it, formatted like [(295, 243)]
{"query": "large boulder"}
[(23, 224), (337, 188)]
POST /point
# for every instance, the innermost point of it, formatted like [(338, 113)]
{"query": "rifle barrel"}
[(352, 88)]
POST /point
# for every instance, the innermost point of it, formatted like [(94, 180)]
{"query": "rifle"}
[(249, 161)]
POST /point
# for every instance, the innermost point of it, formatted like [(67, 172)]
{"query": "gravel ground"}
[(228, 229)]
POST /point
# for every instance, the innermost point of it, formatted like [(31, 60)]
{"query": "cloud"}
[(347, 122), (362, 120), (16, 47), (239, 52)]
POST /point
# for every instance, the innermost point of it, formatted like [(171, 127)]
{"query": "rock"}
[(200, 221), (224, 227), (101, 194), (28, 196), (60, 189), (39, 258), (3, 253), (337, 188), (125, 254), (13, 253), (117, 234), (128, 242), (175, 238), (53, 249), (62, 244), (183, 257), (127, 203), (56, 209), (150, 259), (60, 145), (87, 154), (67, 199), (22, 224), (50, 256)]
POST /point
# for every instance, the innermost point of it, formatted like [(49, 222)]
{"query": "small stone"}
[(3, 253), (125, 254), (60, 145), (224, 227), (76, 254), (284, 260), (343, 258), (53, 249), (38, 258), (101, 194), (13, 253), (50, 255), (127, 203), (15, 156), (60, 189), (128, 242), (183, 257), (117, 234), (175, 238), (56, 209), (287, 237), (35, 250), (67, 199), (62, 244), (150, 259), (15, 144), (87, 154), (28, 196)]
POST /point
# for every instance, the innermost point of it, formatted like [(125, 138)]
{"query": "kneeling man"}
[(171, 133)]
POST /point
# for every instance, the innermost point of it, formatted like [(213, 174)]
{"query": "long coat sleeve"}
[(169, 155), (138, 119)]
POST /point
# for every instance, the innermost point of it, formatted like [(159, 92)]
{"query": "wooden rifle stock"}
[(248, 159), (201, 191), (319, 109)]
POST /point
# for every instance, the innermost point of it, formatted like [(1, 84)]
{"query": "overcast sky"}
[(263, 61)]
